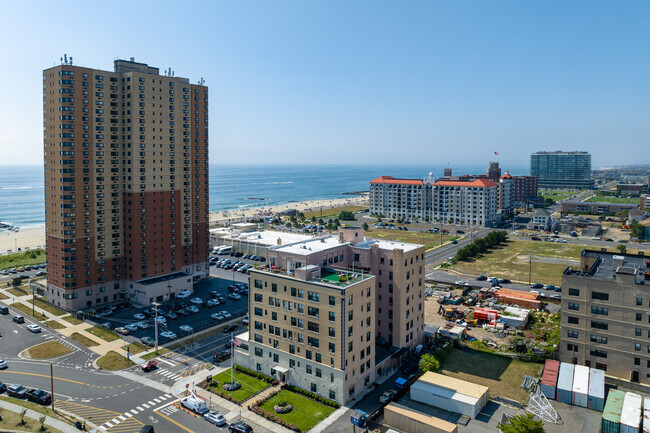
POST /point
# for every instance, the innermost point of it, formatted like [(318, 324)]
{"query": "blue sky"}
[(416, 82)]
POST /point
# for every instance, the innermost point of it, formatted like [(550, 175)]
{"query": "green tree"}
[(364, 226), (637, 230), (16, 282), (524, 423), (313, 218), (620, 247), (428, 362), (378, 218), (346, 215)]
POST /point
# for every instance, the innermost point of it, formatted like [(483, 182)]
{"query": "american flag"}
[(496, 153), (236, 341)]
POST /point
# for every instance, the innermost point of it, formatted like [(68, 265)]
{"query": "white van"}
[(224, 250), (196, 404)]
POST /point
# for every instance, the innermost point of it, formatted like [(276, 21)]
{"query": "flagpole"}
[(232, 364)]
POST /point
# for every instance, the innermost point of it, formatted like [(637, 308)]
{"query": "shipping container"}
[(564, 387), (413, 421), (646, 415), (631, 413), (580, 388), (487, 314), (596, 399), (612, 413), (549, 378)]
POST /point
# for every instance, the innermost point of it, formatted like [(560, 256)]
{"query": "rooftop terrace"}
[(607, 266)]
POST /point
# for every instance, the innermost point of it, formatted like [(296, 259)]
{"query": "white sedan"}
[(34, 328), (184, 294), (215, 418), (226, 314), (234, 296), (462, 283), (142, 325), (197, 301), (186, 328), (131, 327), (161, 319), (217, 316), (168, 334), (138, 316), (3, 364)]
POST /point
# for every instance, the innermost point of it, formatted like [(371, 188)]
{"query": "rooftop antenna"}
[(65, 58), (70, 60), (201, 81), (61, 58), (172, 73)]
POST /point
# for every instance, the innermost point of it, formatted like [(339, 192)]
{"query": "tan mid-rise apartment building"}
[(605, 320), (126, 184), (323, 307)]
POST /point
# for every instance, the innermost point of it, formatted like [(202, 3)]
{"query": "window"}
[(332, 301), (574, 306), (332, 332), (313, 327), (313, 387), (637, 332), (600, 296), (258, 284), (332, 316), (571, 347), (274, 287), (332, 393), (313, 296), (598, 353), (639, 301), (639, 317), (332, 348), (599, 325), (259, 352), (573, 320), (637, 346), (574, 292), (572, 334), (599, 310), (599, 339), (313, 342), (258, 297), (258, 311), (308, 368), (319, 373), (312, 311)]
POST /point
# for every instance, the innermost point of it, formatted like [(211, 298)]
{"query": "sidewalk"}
[(32, 414)]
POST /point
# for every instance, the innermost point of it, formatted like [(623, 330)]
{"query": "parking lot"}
[(197, 321)]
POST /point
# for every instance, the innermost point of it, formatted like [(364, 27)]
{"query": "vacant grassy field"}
[(48, 350), (501, 374), (72, 320), (135, 348), (610, 199), (332, 212), (102, 333), (17, 291), (555, 194), (17, 260), (430, 240), (83, 339), (306, 412), (11, 422), (27, 310), (54, 324), (249, 385), (47, 307), (510, 261), (114, 361)]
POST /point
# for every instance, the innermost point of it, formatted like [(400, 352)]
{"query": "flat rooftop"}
[(389, 245), (310, 245), (154, 280), (264, 238), (609, 264)]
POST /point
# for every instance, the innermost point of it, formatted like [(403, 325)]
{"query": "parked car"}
[(229, 328), (212, 303), (226, 315), (147, 341), (481, 278), (39, 396), (561, 241), (171, 315), (504, 281), (535, 238), (17, 391), (142, 325), (139, 316), (149, 365), (19, 319), (536, 286), (161, 319), (217, 316), (192, 309), (34, 328), (107, 325), (168, 334), (240, 427), (3, 364), (549, 287), (215, 418), (184, 294), (122, 331), (245, 320), (222, 355), (182, 312), (196, 301), (132, 327), (235, 296), (3, 387), (387, 396), (186, 328)]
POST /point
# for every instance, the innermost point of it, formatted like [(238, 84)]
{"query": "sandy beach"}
[(225, 217), (26, 238), (34, 237)]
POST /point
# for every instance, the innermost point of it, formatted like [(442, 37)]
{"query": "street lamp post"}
[(155, 323), (530, 268)]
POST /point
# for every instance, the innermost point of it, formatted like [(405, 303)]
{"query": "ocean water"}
[(232, 186)]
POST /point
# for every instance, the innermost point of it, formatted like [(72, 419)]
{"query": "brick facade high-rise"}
[(126, 184)]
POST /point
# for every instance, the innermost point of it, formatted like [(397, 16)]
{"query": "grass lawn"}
[(306, 412), (16, 291), (556, 194), (17, 260), (135, 348), (47, 350), (11, 420), (332, 212), (611, 199), (430, 240), (510, 260), (47, 307), (501, 374), (83, 340), (72, 320), (54, 324), (161, 351), (249, 385), (27, 310), (102, 333), (114, 361), (3, 296)]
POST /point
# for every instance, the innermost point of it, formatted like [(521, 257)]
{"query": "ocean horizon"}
[(236, 186)]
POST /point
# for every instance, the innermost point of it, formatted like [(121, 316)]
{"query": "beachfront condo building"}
[(126, 184), (461, 200), (571, 170), (605, 321), (331, 314)]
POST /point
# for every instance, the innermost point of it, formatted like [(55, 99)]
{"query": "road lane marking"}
[(165, 405), (146, 406), (157, 400), (45, 375), (166, 362), (174, 422), (140, 408)]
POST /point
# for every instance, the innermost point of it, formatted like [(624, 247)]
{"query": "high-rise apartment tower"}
[(126, 184), (562, 169)]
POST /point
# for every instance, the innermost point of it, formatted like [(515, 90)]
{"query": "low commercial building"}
[(630, 188), (595, 207), (254, 242), (451, 394), (414, 421)]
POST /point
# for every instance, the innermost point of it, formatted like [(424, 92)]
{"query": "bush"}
[(346, 216), (255, 374), (274, 418), (313, 396), (428, 362)]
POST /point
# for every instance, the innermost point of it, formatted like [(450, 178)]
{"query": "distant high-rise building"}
[(126, 184), (494, 172), (562, 169)]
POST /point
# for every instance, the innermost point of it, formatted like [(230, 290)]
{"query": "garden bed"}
[(249, 386), (305, 412)]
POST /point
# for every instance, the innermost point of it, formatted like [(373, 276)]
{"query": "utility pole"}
[(155, 323), (530, 268), (33, 300), (52, 384)]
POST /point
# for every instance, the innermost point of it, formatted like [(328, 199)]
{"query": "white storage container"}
[(580, 388), (564, 389), (596, 398), (646, 415), (631, 414)]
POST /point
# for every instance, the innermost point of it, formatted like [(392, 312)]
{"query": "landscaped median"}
[(47, 350), (114, 361), (244, 384), (295, 408), (12, 421), (83, 339), (102, 333)]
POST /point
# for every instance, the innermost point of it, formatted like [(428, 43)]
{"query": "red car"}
[(151, 365)]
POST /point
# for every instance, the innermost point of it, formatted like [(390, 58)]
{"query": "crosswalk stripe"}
[(108, 424), (121, 417), (134, 412), (167, 396), (140, 408), (146, 406), (156, 400), (150, 402)]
